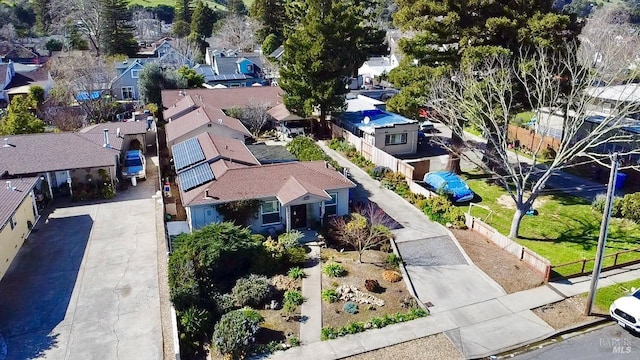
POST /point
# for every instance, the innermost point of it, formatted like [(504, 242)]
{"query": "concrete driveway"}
[(85, 284)]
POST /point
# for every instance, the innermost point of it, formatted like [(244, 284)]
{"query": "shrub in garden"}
[(330, 296), (396, 182), (350, 307), (293, 297), (296, 273), (379, 172), (236, 331), (599, 203), (393, 260), (391, 276), (284, 283), (252, 290), (334, 270), (296, 255), (631, 207), (372, 285), (194, 323), (224, 303)]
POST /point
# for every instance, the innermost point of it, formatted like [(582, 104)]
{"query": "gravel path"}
[(430, 347), (436, 251)]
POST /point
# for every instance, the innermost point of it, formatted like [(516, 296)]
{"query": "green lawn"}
[(605, 296), (565, 229), (154, 3)]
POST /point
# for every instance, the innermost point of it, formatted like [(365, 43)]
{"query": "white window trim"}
[(136, 72), (277, 211), (328, 203), (403, 139), (122, 90)]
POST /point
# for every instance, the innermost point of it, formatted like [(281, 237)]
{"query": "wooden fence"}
[(536, 262), (530, 140), (585, 266), (372, 153)]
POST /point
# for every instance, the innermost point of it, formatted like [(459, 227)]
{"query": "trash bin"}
[(620, 179)]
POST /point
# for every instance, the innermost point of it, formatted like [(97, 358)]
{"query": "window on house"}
[(250, 68), (135, 73), (13, 224), (395, 139), (234, 85), (127, 92), (331, 206), (270, 212)]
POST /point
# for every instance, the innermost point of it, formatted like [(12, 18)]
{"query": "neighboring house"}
[(361, 103), (277, 53), (18, 215), (10, 51), (24, 80), (376, 66), (206, 71), (164, 51), (204, 119), (60, 159), (213, 170), (7, 73), (125, 85), (387, 131), (605, 98), (194, 111), (234, 69), (123, 136)]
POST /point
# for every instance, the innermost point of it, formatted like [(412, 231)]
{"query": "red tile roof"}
[(259, 182), (10, 199), (225, 98)]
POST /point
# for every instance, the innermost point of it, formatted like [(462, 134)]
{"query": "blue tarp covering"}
[(449, 183), (84, 96)]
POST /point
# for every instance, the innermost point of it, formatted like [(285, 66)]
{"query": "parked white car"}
[(626, 311)]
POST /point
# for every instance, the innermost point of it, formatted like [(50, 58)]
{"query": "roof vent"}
[(106, 139), (6, 143), (181, 92), (118, 132), (9, 187), (220, 121)]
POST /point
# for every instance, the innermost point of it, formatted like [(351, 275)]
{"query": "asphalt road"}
[(609, 342)]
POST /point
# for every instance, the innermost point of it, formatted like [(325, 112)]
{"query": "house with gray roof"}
[(233, 68), (62, 160)]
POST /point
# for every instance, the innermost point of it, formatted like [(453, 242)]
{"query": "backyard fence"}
[(530, 140), (585, 266), (372, 153), (536, 262)]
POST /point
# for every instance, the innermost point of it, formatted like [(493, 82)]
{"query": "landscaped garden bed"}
[(564, 229)]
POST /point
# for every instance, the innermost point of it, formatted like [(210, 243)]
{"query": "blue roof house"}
[(392, 133), (232, 69)]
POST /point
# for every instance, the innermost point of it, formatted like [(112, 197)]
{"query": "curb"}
[(542, 341)]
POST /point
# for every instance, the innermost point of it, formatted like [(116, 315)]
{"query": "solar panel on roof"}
[(187, 153), (195, 177)]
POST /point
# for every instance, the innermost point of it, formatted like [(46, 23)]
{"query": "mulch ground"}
[(565, 313), (372, 267), (507, 270)]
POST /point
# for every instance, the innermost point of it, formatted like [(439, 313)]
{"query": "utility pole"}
[(604, 229)]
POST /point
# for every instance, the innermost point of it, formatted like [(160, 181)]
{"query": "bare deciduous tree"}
[(255, 114), (188, 49), (85, 15), (81, 75), (146, 27), (558, 88), (236, 32), (365, 229), (608, 40), (8, 32)]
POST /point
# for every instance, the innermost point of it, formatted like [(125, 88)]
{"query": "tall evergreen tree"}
[(236, 7), (202, 22), (20, 118), (182, 18), (271, 15), (319, 56), (458, 33), (117, 29), (42, 16)]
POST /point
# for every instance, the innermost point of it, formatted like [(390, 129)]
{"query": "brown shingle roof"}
[(10, 199), (258, 182), (41, 75), (225, 98), (183, 104), (201, 117), (35, 153), (214, 146), (294, 189)]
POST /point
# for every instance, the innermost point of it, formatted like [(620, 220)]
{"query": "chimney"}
[(106, 139), (206, 193)]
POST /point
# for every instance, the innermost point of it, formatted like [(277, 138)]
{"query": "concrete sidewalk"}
[(477, 330), (311, 309)]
